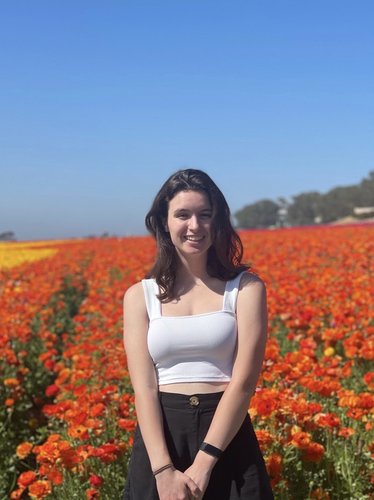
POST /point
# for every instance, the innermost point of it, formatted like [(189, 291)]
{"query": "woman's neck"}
[(192, 270)]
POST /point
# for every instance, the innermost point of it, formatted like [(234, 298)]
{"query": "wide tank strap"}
[(231, 293), (150, 288)]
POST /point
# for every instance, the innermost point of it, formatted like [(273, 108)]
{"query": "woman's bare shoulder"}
[(250, 279), (134, 296), (134, 308), (252, 302)]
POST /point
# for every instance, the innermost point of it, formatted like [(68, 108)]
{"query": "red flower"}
[(52, 390), (127, 424), (95, 480), (274, 466), (313, 452)]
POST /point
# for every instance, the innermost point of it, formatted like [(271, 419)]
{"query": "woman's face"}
[(189, 222)]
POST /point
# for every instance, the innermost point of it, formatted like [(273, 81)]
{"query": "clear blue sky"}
[(100, 101)]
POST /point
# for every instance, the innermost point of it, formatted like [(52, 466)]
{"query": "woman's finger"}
[(193, 488)]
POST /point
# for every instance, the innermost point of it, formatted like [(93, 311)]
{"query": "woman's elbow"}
[(245, 386), (145, 392)]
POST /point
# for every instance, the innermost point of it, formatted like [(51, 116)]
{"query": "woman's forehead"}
[(190, 198)]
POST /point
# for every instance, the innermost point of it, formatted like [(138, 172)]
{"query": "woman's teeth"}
[(194, 238)]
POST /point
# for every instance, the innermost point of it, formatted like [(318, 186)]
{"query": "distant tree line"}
[(7, 236), (305, 209), (310, 208)]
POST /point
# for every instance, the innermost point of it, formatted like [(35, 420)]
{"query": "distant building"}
[(282, 214), (363, 210)]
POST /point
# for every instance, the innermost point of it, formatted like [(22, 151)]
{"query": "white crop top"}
[(195, 348)]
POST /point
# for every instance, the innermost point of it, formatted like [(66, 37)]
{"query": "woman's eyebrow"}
[(178, 210)]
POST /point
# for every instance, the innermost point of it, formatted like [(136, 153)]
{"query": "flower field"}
[(66, 405)]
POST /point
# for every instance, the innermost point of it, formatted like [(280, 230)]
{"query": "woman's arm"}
[(233, 406), (171, 483)]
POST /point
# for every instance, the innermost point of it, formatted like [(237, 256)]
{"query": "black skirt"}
[(239, 474)]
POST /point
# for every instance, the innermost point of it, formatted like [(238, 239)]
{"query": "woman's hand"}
[(200, 478), (201, 470), (175, 485)]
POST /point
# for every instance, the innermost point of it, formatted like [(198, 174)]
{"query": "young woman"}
[(195, 334)]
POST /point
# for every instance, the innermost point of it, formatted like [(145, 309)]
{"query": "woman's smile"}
[(194, 238)]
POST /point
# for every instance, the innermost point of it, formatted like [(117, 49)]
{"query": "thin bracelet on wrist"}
[(161, 469), (211, 450)]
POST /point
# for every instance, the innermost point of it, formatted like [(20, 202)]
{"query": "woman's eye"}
[(185, 216)]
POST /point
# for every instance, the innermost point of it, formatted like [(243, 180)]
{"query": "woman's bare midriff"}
[(190, 388)]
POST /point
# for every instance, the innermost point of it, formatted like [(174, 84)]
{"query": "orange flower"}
[(355, 413), (11, 382), (348, 399), (274, 466), (346, 432), (264, 403), (23, 450), (329, 420), (17, 494), (76, 417), (369, 379), (78, 432), (26, 478), (92, 494), (264, 437), (40, 489), (48, 452), (313, 452), (70, 458), (319, 494), (301, 440), (366, 400), (55, 476), (97, 409)]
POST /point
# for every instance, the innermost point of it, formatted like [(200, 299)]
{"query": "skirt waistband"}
[(193, 401)]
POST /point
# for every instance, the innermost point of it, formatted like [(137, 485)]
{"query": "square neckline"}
[(218, 311)]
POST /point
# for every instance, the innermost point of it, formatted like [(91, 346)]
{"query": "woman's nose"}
[(193, 222)]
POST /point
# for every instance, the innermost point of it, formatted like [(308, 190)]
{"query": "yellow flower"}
[(329, 351)]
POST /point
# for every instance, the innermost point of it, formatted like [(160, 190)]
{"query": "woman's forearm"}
[(229, 415), (150, 422), (227, 420)]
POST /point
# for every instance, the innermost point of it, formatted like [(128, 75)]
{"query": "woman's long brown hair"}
[(225, 254)]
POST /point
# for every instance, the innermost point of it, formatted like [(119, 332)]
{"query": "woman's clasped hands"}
[(175, 485)]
